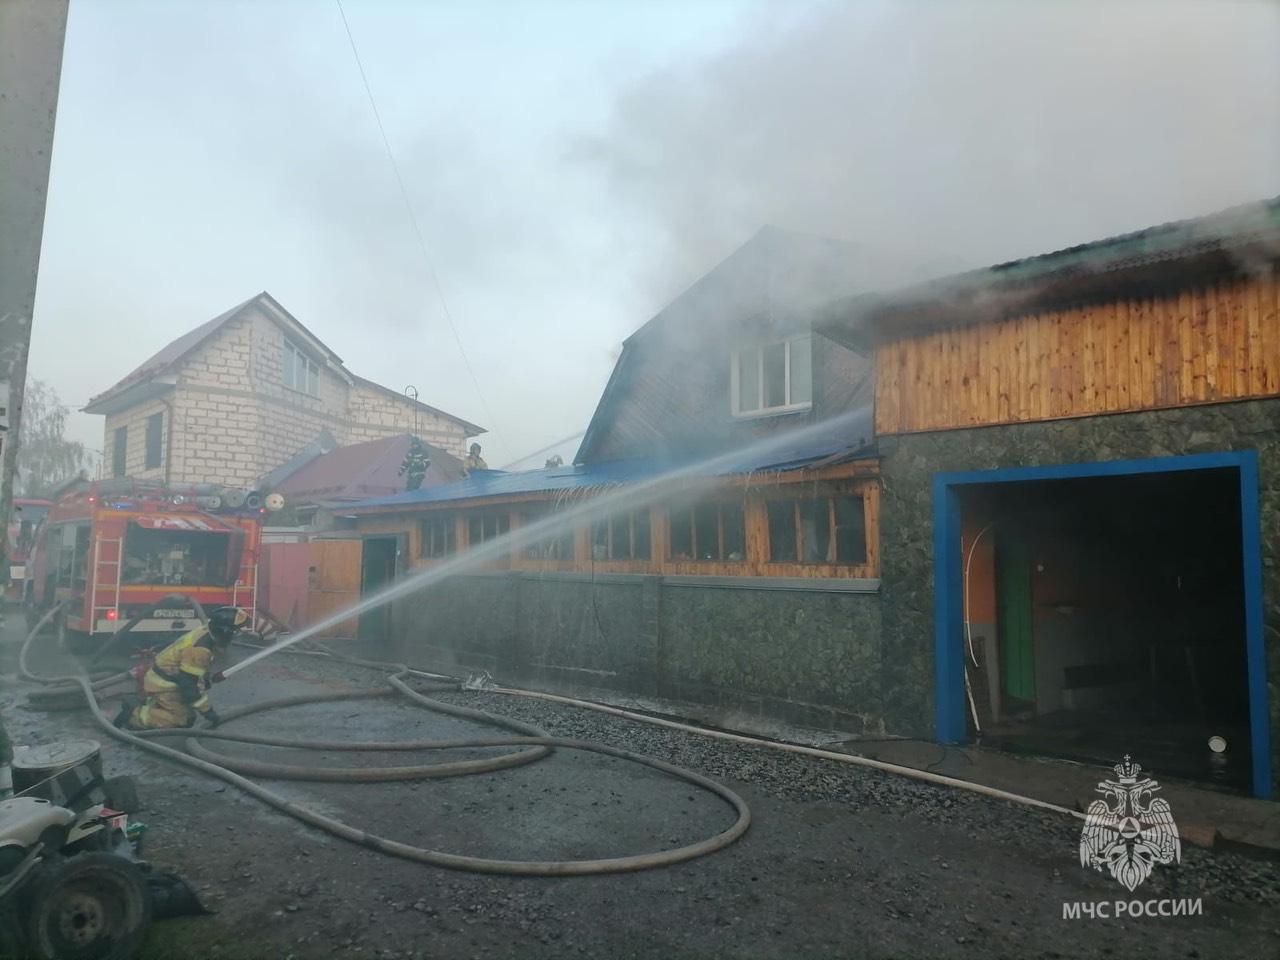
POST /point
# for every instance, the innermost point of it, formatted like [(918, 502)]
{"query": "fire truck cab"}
[(117, 552)]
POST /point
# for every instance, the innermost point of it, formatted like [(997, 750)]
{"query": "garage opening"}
[(1106, 616)]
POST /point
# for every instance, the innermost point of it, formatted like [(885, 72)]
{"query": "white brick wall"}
[(235, 420), (135, 421), (376, 414)]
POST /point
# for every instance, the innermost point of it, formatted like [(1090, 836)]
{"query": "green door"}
[(377, 571), (1013, 610)]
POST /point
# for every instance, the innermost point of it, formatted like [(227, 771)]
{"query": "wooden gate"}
[(333, 582)]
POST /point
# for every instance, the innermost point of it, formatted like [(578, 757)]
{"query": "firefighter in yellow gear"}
[(177, 685), (473, 460)]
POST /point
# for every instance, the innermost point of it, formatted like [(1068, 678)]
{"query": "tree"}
[(46, 458)]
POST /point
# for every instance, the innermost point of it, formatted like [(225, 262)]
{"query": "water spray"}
[(687, 479)]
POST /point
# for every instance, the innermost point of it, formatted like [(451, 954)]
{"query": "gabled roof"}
[(168, 357), (847, 437), (363, 470), (154, 376), (1232, 241), (779, 274)]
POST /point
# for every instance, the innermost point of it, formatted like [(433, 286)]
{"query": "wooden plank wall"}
[(756, 563), (333, 584), (1206, 345)]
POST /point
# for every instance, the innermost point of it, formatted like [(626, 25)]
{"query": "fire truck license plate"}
[(167, 614)]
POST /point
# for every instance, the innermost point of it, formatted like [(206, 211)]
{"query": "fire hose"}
[(535, 743)]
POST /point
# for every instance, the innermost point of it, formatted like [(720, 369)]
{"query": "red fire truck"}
[(23, 523), (117, 551)]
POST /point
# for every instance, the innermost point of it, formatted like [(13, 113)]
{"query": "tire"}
[(93, 906)]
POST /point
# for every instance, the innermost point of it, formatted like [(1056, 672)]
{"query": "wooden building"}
[(1081, 458), (1037, 504)]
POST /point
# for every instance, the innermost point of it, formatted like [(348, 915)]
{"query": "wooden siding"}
[(333, 583), (1206, 345), (751, 492)]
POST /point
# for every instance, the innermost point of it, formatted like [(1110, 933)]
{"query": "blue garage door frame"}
[(948, 616)]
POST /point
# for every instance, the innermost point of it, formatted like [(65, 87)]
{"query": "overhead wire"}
[(413, 217)]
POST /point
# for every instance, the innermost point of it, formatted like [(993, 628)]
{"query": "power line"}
[(413, 219)]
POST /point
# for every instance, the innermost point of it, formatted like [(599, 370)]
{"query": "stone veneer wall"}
[(796, 655), (906, 520)]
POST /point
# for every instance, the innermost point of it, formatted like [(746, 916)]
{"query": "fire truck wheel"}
[(93, 906)]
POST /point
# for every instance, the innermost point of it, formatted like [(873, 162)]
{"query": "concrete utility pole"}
[(31, 38)]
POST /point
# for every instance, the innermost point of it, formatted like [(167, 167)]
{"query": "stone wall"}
[(906, 519), (803, 656)]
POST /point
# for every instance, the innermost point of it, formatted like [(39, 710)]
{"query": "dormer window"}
[(772, 378)]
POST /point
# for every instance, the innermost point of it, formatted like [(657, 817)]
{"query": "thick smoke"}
[(965, 133)]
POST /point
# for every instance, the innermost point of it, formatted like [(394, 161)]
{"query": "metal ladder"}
[(248, 581), (98, 563)]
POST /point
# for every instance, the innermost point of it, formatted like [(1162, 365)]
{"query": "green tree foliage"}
[(46, 458)]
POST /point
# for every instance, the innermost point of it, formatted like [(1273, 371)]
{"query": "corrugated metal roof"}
[(362, 470), (848, 437)]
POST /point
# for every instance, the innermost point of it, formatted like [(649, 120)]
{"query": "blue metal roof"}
[(846, 437)]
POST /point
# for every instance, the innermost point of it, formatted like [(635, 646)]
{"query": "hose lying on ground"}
[(537, 744), (883, 766)]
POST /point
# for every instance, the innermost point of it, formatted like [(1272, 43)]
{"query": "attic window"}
[(772, 378), (301, 373)]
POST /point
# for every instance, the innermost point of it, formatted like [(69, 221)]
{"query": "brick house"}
[(236, 397)]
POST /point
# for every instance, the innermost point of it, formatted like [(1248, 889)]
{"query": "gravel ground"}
[(839, 862)]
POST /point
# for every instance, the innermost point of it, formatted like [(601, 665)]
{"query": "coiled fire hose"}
[(535, 743)]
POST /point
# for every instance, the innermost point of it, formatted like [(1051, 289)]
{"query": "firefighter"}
[(178, 682), (473, 460)]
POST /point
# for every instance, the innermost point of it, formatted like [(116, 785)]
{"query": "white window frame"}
[(310, 370), (762, 410)]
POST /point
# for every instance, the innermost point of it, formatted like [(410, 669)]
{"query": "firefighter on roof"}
[(473, 460), (178, 682)]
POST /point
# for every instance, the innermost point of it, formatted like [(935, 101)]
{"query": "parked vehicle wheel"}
[(93, 906)]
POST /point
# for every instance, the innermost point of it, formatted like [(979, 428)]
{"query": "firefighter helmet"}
[(225, 622)]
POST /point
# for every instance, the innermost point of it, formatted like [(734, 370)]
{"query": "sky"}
[(574, 165)]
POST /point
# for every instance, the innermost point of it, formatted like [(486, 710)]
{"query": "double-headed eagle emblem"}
[(1131, 830)]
